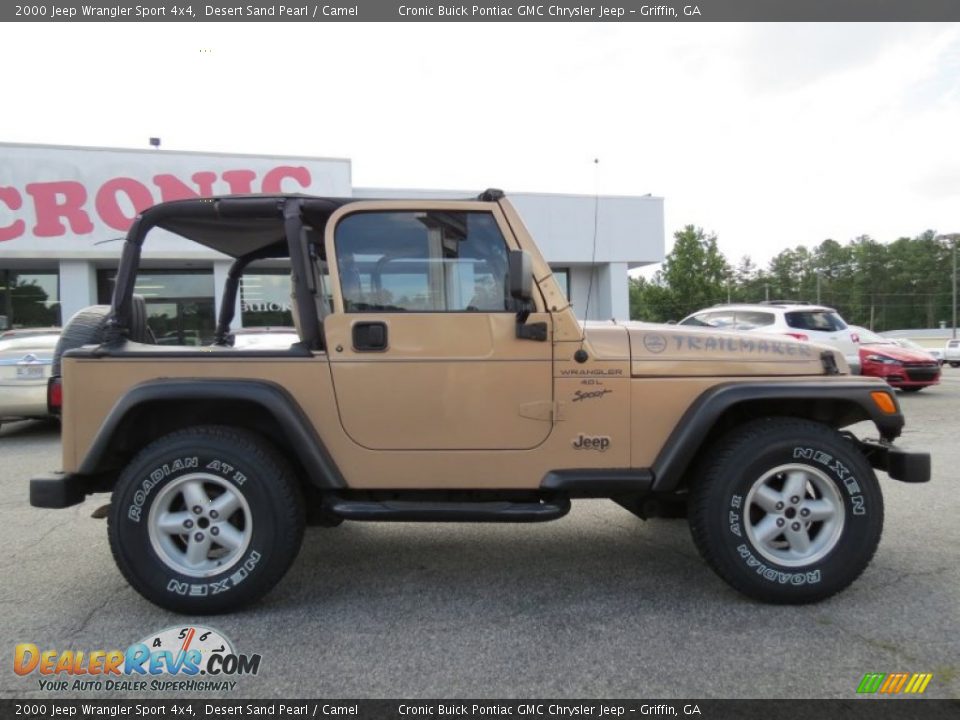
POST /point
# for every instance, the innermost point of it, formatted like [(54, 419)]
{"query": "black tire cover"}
[(84, 328)]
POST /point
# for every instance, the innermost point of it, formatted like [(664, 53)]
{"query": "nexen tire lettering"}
[(841, 471), (215, 587)]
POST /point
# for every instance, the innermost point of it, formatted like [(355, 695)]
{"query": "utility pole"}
[(818, 287), (953, 237)]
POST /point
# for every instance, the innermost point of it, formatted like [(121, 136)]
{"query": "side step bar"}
[(423, 511)]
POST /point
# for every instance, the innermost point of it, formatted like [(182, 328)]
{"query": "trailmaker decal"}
[(178, 658), (719, 344)]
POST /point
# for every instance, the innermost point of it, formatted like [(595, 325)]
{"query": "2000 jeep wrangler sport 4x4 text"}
[(441, 375)]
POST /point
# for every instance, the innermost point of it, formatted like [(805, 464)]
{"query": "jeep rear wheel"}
[(206, 520), (786, 510)]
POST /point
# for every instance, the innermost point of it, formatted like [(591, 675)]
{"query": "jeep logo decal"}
[(589, 442), (655, 343)]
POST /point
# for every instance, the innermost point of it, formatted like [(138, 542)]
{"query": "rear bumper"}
[(23, 400), (57, 490), (910, 467)]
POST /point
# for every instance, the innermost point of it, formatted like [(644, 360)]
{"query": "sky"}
[(769, 135)]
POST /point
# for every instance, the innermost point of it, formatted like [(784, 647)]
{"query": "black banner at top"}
[(481, 11)]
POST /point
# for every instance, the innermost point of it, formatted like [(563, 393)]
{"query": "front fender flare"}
[(821, 398)]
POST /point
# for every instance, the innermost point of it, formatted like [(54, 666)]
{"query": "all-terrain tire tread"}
[(291, 504), (702, 505)]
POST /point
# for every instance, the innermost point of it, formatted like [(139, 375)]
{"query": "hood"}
[(896, 352), (682, 350)]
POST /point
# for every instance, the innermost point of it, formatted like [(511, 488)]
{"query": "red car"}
[(909, 370)]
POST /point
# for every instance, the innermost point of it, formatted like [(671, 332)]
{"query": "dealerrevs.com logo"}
[(178, 658)]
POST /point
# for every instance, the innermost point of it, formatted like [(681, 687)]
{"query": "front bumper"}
[(57, 490), (899, 464), (900, 376)]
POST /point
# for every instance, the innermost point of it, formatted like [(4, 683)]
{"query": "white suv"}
[(815, 323), (951, 353)]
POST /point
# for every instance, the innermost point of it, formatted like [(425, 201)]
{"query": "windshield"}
[(815, 320), (871, 338), (731, 319)]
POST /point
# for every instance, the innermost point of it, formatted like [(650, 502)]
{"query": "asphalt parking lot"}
[(598, 604)]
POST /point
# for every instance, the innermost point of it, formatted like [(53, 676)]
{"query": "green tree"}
[(694, 275)]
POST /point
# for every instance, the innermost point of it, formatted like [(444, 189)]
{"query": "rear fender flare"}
[(273, 400)]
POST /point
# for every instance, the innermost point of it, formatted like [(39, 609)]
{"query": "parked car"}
[(24, 369), (935, 353), (951, 353), (815, 323), (902, 367), (24, 332)]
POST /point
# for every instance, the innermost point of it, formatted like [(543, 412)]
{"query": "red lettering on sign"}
[(273, 180), (240, 181), (172, 188), (55, 200), (108, 202), (12, 199), (68, 206)]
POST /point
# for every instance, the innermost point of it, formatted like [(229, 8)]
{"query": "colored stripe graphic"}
[(871, 682), (895, 683), (922, 685)]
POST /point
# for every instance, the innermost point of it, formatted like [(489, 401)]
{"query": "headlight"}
[(883, 360)]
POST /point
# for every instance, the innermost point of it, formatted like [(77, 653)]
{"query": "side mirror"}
[(520, 272)]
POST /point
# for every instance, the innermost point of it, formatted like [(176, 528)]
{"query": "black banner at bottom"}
[(861, 708)]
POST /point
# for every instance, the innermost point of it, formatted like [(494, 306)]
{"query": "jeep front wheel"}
[(786, 510), (205, 520)]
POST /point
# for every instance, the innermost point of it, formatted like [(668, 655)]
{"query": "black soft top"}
[(239, 225), (242, 225)]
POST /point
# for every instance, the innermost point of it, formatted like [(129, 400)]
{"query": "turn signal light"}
[(55, 395), (883, 401)]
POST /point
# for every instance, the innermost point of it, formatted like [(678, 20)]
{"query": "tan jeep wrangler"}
[(441, 375)]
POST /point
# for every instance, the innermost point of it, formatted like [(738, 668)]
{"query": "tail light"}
[(798, 336), (55, 395)]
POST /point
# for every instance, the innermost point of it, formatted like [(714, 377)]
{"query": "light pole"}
[(953, 237)]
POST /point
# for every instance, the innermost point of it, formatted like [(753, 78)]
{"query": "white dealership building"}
[(64, 211)]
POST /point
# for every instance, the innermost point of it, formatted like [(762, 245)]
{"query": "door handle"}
[(370, 336)]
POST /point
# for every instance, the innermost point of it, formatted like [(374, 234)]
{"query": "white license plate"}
[(29, 372)]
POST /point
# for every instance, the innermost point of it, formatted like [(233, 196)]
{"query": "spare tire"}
[(84, 328), (139, 330), (87, 328)]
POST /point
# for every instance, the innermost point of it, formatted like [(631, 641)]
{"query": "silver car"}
[(24, 369)]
